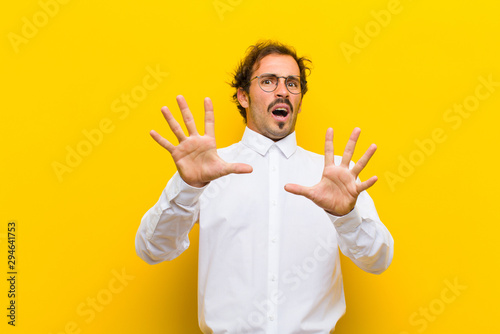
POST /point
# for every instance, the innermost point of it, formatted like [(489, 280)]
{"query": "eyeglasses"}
[(268, 82)]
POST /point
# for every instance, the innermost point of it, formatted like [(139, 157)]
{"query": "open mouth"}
[(280, 112)]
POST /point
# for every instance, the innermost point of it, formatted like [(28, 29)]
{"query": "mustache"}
[(280, 100)]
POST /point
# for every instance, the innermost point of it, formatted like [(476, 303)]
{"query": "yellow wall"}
[(400, 70)]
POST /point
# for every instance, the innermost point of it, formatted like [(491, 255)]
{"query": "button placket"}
[(273, 241)]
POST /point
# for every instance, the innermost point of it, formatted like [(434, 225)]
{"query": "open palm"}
[(338, 189), (196, 156)]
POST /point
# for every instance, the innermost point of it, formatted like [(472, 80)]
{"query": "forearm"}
[(163, 232)]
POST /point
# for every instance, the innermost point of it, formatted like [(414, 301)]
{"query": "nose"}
[(281, 90)]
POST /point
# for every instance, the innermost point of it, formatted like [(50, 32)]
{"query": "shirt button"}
[(271, 317), (273, 168), (273, 202), (273, 240), (273, 278)]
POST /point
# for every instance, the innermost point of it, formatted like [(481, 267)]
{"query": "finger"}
[(329, 147), (298, 190), (349, 148), (238, 168), (187, 116), (162, 141), (361, 164), (367, 184), (173, 124), (209, 118)]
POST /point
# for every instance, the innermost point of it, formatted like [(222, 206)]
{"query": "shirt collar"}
[(262, 144)]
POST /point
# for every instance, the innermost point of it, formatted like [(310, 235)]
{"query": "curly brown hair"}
[(255, 54)]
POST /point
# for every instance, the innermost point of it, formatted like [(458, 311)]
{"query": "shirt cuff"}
[(346, 223), (184, 194)]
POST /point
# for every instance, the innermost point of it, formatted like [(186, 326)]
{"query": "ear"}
[(300, 107), (242, 98)]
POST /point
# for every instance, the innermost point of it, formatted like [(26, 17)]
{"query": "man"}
[(272, 216)]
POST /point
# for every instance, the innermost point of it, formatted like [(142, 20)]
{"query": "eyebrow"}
[(291, 75)]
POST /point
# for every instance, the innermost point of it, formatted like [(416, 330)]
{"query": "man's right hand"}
[(196, 156)]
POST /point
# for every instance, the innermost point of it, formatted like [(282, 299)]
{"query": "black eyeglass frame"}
[(278, 82)]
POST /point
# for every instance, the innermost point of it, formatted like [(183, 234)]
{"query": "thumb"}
[(297, 189), (238, 168)]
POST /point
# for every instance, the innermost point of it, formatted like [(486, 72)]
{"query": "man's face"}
[(272, 114)]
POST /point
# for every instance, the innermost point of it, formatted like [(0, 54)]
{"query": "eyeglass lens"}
[(269, 82)]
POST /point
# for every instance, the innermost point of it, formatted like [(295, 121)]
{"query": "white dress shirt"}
[(268, 259)]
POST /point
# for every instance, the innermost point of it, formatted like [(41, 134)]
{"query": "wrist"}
[(340, 213), (195, 184), (191, 183)]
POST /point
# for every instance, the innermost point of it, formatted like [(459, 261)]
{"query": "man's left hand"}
[(338, 190)]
